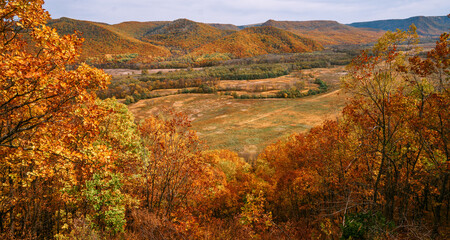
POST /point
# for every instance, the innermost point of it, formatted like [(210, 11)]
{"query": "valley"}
[(247, 126)]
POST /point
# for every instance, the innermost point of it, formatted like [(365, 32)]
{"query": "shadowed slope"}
[(426, 26), (102, 39), (224, 26)]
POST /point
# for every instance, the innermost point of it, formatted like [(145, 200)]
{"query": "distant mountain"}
[(250, 25), (183, 34), (426, 26), (255, 41), (224, 26), (102, 39), (327, 32)]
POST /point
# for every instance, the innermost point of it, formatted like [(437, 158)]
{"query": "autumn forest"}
[(77, 163)]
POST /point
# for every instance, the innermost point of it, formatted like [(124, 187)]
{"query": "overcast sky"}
[(241, 12)]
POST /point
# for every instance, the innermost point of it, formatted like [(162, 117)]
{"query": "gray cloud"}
[(244, 11)]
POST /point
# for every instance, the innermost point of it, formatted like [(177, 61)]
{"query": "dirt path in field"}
[(327, 94), (248, 125), (265, 115), (283, 110), (315, 98)]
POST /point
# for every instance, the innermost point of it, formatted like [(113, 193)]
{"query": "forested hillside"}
[(327, 32), (426, 26), (260, 40), (183, 35), (148, 41), (138, 29), (101, 39)]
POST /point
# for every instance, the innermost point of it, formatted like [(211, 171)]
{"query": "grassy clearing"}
[(245, 126), (248, 125)]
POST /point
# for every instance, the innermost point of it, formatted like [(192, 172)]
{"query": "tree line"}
[(140, 86)]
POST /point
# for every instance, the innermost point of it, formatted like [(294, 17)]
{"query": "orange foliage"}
[(73, 166), (237, 181), (259, 40), (328, 32), (311, 171), (137, 29), (183, 34), (48, 121), (102, 39), (385, 163)]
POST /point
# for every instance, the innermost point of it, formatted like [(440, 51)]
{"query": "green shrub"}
[(129, 99), (322, 85), (106, 203), (365, 226)]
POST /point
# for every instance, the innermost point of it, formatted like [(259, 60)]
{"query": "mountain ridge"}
[(161, 39), (183, 34), (426, 25), (102, 39), (327, 32)]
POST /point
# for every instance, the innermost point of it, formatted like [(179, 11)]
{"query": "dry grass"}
[(273, 85), (252, 85), (247, 126)]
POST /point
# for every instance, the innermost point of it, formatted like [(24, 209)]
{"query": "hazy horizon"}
[(243, 12)]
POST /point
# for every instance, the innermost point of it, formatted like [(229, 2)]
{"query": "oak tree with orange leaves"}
[(48, 121)]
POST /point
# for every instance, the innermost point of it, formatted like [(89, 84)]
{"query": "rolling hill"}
[(183, 35), (327, 32), (147, 41), (103, 39), (138, 29), (426, 26), (255, 41)]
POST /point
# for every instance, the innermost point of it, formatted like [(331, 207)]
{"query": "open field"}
[(245, 126), (248, 125), (267, 86)]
